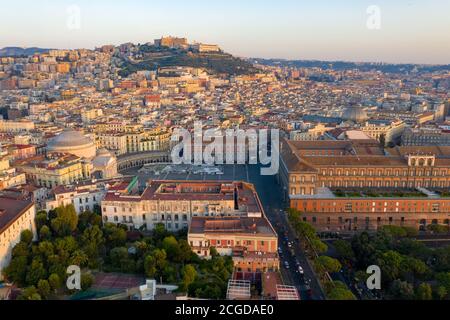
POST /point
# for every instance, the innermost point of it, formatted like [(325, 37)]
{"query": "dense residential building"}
[(83, 196), (9, 177), (426, 136), (16, 215)]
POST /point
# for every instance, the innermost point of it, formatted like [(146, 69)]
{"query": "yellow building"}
[(55, 169), (16, 215)]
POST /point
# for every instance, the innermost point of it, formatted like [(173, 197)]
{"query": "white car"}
[(300, 270)]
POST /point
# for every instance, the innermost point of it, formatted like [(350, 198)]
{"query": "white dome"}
[(73, 142), (355, 114)]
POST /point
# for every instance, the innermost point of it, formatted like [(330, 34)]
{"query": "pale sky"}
[(411, 31)]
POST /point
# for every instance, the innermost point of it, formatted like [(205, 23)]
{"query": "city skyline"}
[(286, 30)]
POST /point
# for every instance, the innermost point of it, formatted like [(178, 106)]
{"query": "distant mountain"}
[(17, 51)]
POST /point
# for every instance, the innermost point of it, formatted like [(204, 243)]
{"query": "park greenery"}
[(409, 269), (323, 265), (65, 238)]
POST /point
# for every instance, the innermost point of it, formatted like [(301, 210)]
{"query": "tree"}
[(21, 250), (440, 292), (344, 250), (36, 272), (88, 219), (401, 290), (79, 258), (390, 262), (66, 220), (319, 246), (16, 271), (43, 288), (26, 236), (330, 265), (115, 236), (185, 250), (45, 233), (150, 266), (159, 232), (55, 281), (413, 266), (424, 292), (337, 290), (87, 280), (92, 240), (443, 280), (118, 256), (189, 276), (170, 245), (41, 219), (30, 293), (394, 231)]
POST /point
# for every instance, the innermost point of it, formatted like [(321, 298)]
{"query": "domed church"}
[(355, 114), (74, 142)]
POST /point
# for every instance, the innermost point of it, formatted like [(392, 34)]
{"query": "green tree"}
[(424, 292), (55, 281), (88, 219), (440, 292), (26, 236), (30, 293), (45, 233), (344, 250), (118, 256), (92, 241), (319, 246), (114, 235), (390, 262), (36, 272), (443, 279), (41, 219), (330, 265), (79, 258), (16, 271), (43, 288), (87, 280), (150, 266), (66, 220), (185, 250), (337, 290), (170, 245), (401, 290), (189, 276)]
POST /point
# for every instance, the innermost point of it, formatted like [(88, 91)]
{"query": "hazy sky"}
[(411, 31)]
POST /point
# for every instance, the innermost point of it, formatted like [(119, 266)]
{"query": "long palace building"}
[(226, 215), (357, 185)]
